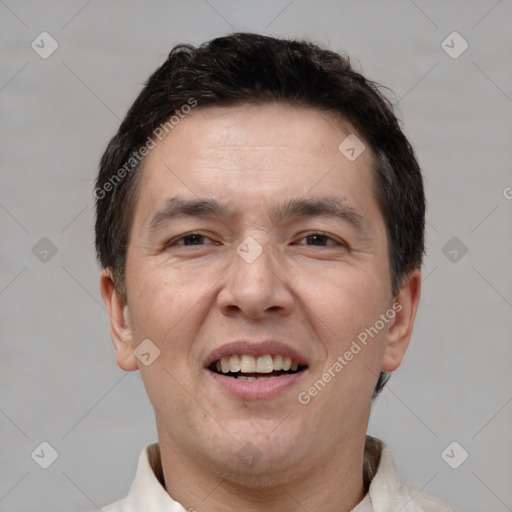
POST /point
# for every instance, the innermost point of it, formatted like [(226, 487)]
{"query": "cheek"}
[(343, 298), (165, 303), (344, 307)]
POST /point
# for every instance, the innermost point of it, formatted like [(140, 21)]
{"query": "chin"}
[(256, 447)]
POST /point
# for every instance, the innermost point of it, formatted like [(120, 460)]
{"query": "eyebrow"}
[(330, 207)]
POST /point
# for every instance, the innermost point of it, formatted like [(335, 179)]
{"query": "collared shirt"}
[(385, 492)]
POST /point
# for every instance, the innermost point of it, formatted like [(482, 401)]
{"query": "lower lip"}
[(255, 389)]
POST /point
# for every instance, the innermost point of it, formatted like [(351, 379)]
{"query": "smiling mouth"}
[(248, 367)]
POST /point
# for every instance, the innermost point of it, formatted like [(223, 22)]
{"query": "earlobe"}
[(120, 329), (399, 333)]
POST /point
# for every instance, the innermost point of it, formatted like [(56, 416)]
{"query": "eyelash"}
[(176, 241), (327, 237), (183, 237)]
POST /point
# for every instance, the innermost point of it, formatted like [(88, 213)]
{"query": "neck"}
[(337, 484)]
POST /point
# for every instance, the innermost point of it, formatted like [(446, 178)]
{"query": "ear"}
[(399, 333), (120, 329)]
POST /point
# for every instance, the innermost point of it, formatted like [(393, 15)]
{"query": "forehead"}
[(262, 129), (263, 153)]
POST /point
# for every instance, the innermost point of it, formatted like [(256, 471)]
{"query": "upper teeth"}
[(251, 364)]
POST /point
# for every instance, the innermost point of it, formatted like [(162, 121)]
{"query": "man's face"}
[(293, 263)]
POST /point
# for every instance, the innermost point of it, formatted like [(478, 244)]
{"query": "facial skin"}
[(313, 294)]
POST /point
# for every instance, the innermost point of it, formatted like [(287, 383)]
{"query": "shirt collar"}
[(379, 473)]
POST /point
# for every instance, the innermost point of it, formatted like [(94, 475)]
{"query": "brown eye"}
[(320, 240), (317, 239), (194, 239), (191, 239)]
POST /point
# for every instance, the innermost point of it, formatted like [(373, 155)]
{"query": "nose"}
[(257, 284)]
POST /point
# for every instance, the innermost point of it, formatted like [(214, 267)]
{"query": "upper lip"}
[(256, 349)]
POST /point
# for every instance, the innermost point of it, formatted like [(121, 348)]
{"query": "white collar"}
[(385, 494)]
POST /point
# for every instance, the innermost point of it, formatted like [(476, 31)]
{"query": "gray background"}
[(59, 379)]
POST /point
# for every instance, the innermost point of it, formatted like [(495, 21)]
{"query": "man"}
[(260, 223)]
